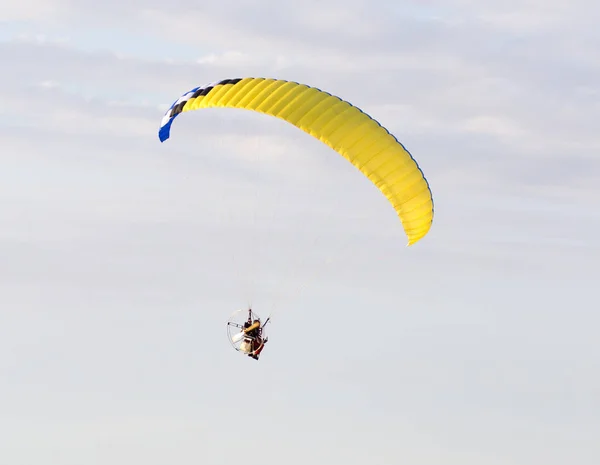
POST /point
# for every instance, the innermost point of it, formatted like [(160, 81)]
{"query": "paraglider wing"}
[(345, 128)]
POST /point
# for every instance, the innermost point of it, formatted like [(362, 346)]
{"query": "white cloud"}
[(23, 10), (231, 58), (494, 126)]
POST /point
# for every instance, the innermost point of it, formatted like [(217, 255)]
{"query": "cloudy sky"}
[(121, 258)]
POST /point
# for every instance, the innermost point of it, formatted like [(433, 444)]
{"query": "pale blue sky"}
[(121, 258)]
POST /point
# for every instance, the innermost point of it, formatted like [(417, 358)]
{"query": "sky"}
[(121, 258)]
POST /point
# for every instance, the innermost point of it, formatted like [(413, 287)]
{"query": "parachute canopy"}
[(344, 127)]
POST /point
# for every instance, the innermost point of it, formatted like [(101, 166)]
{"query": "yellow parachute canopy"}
[(344, 127)]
